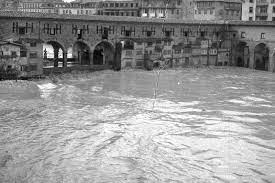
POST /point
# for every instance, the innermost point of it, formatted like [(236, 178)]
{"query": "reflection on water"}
[(208, 125)]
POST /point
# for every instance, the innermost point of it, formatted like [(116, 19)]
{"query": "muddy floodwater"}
[(205, 125)]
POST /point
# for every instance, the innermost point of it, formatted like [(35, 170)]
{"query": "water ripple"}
[(206, 125)]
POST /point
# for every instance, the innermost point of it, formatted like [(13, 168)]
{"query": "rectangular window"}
[(33, 67), (32, 44), (167, 33), (21, 30), (13, 54), (23, 53), (139, 52), (127, 33), (129, 53), (14, 27), (167, 43), (250, 9), (177, 51), (33, 55), (262, 35), (150, 44), (242, 34)]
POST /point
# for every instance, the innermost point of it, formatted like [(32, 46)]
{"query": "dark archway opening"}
[(53, 54), (242, 55), (81, 53), (103, 54), (261, 57), (240, 62)]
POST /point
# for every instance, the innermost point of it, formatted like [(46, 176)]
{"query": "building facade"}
[(217, 9), (162, 9), (77, 8), (119, 8), (9, 5), (36, 6), (259, 10)]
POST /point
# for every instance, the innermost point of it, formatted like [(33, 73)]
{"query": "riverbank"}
[(20, 88)]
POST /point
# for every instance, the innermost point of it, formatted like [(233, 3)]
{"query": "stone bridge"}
[(123, 41)]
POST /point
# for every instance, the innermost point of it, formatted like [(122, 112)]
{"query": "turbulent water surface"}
[(206, 125)]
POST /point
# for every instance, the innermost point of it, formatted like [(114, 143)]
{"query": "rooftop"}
[(29, 15), (32, 15), (227, 1)]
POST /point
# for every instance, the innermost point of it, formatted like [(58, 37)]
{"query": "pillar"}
[(65, 55), (91, 58), (271, 65), (251, 56), (55, 50), (79, 55), (103, 56)]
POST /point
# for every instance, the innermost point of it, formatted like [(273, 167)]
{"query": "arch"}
[(81, 53), (242, 54), (53, 54), (261, 57), (104, 53)]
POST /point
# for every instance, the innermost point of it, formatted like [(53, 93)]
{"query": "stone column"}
[(55, 50), (271, 65), (91, 56), (251, 56), (65, 55), (79, 55)]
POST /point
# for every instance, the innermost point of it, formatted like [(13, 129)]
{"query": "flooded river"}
[(206, 125)]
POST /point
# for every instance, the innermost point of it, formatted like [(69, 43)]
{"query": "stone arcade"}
[(120, 42)]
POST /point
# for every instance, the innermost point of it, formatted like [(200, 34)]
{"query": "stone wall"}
[(65, 32)]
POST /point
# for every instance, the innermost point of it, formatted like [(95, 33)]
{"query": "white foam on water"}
[(245, 119), (96, 88), (175, 109), (233, 88), (189, 103), (226, 178), (46, 89), (255, 99), (266, 105), (47, 86), (236, 113), (212, 121), (238, 102)]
